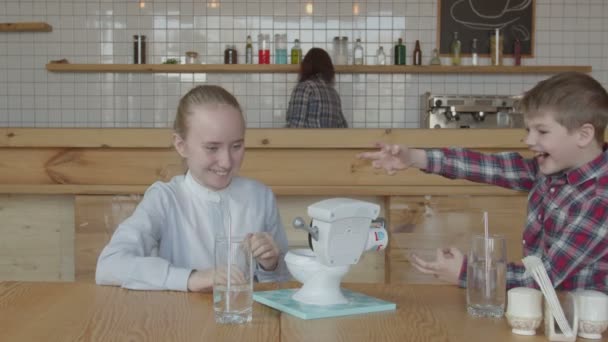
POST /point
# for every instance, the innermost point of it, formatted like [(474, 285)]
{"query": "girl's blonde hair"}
[(201, 95)]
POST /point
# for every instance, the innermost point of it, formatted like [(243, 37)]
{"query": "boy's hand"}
[(393, 158), (264, 250), (446, 267)]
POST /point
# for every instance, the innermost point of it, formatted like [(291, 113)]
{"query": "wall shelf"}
[(287, 68), (26, 27)]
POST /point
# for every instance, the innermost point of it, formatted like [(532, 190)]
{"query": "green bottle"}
[(296, 52), (455, 50), (400, 53)]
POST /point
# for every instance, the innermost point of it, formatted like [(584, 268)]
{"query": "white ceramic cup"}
[(592, 313), (524, 310)]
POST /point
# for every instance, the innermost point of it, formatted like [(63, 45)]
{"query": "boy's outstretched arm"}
[(393, 158)]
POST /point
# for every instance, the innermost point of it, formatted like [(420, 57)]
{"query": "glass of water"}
[(233, 280), (486, 277)]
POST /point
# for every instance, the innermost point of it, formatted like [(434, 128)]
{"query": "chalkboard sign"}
[(479, 18)]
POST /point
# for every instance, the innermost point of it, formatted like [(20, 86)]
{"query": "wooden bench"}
[(63, 192)]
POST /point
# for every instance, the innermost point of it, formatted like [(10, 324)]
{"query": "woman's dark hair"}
[(317, 61)]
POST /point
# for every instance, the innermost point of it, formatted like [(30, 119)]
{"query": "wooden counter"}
[(64, 191), (86, 312)]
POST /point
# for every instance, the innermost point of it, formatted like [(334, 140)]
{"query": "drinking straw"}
[(496, 43), (228, 275), (487, 252)]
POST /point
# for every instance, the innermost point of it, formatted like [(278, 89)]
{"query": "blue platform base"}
[(358, 303)]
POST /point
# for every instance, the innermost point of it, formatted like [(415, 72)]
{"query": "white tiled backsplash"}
[(568, 32)]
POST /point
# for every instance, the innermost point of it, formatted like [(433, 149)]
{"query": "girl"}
[(168, 242)]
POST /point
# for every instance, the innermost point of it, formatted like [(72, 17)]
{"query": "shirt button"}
[(552, 190), (540, 217)]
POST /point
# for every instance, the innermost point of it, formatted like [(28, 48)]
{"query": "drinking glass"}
[(486, 276), (233, 280)]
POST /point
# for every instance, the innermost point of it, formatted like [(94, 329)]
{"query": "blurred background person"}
[(314, 101)]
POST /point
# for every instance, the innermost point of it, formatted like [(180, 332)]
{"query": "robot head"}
[(342, 226)]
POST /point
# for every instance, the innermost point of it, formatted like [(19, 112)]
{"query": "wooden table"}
[(86, 312), (65, 312)]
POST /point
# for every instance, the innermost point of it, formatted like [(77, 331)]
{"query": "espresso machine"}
[(469, 111)]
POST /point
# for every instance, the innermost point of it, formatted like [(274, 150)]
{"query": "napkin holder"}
[(552, 330)]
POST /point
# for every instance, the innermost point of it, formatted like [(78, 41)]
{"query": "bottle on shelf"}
[(139, 49), (400, 52), (263, 49), (517, 51), (455, 49), (191, 57), (435, 60), (249, 51), (417, 57), (474, 53), (296, 52), (280, 49), (496, 47), (380, 56), (358, 55), (230, 55)]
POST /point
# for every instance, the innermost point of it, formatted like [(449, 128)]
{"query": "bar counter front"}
[(64, 191)]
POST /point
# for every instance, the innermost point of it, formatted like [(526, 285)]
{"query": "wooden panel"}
[(325, 190), (26, 27), (96, 219), (421, 224), (87, 166), (274, 167), (37, 237), (323, 138), (278, 68), (98, 216)]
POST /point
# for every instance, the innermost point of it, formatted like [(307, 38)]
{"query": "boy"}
[(567, 179)]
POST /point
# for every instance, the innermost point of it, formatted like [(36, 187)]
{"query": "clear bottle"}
[(358, 56), (435, 60), (517, 51), (455, 49), (296, 52), (343, 55), (417, 57), (249, 51), (280, 48), (496, 47), (400, 53), (474, 53), (380, 56)]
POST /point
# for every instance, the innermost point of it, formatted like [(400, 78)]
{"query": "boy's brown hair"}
[(574, 98)]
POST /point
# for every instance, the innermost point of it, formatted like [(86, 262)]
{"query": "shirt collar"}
[(203, 192), (595, 168)]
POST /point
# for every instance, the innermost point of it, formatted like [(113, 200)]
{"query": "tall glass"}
[(233, 281), (486, 276)]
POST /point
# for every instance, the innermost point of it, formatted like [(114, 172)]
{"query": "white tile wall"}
[(100, 31)]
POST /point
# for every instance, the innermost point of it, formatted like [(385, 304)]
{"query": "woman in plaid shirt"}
[(567, 181), (314, 102)]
